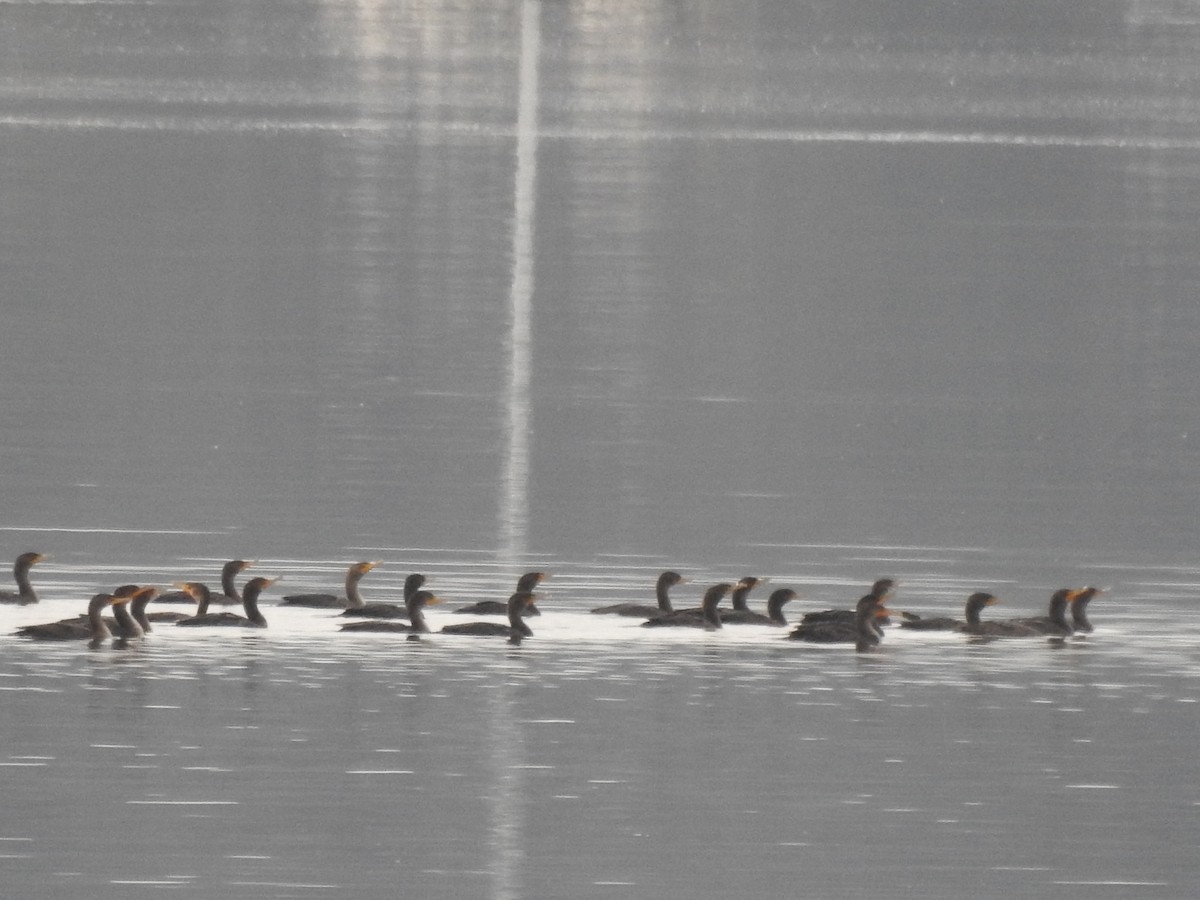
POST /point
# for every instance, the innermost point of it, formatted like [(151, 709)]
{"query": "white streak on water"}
[(285, 884), (55, 529), (437, 132), (152, 883), (182, 802)]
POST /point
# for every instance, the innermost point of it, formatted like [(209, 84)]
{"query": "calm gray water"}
[(821, 292)]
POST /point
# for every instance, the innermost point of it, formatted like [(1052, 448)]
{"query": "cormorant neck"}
[(974, 608), (775, 606), (203, 600), (250, 604), (24, 585), (353, 576), (416, 615), (412, 584), (864, 624), (712, 599), (228, 586), (125, 622), (519, 625), (660, 592), (738, 597), (138, 609), (95, 618), (516, 606)]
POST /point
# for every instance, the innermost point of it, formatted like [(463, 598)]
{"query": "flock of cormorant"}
[(861, 626)]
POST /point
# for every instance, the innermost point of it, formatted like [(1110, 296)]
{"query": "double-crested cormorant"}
[(973, 624), (252, 619), (975, 603), (666, 581), (526, 584), (998, 628), (881, 590), (774, 614), (412, 584), (1055, 623), (25, 592), (416, 623), (1079, 603), (229, 591), (332, 601), (835, 629), (709, 618), (92, 626), (514, 630)]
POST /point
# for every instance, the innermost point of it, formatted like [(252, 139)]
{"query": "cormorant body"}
[(351, 600), (416, 617), (709, 618), (229, 589), (774, 616), (253, 618), (24, 594), (412, 584), (515, 630), (665, 582), (526, 584)]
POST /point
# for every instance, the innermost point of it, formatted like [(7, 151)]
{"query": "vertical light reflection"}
[(508, 826), (507, 822), (514, 501)]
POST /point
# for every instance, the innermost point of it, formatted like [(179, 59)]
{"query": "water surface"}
[(821, 293)]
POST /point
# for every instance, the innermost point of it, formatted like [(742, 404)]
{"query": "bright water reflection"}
[(303, 760), (514, 502)]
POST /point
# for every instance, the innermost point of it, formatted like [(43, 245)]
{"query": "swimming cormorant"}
[(665, 582)]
